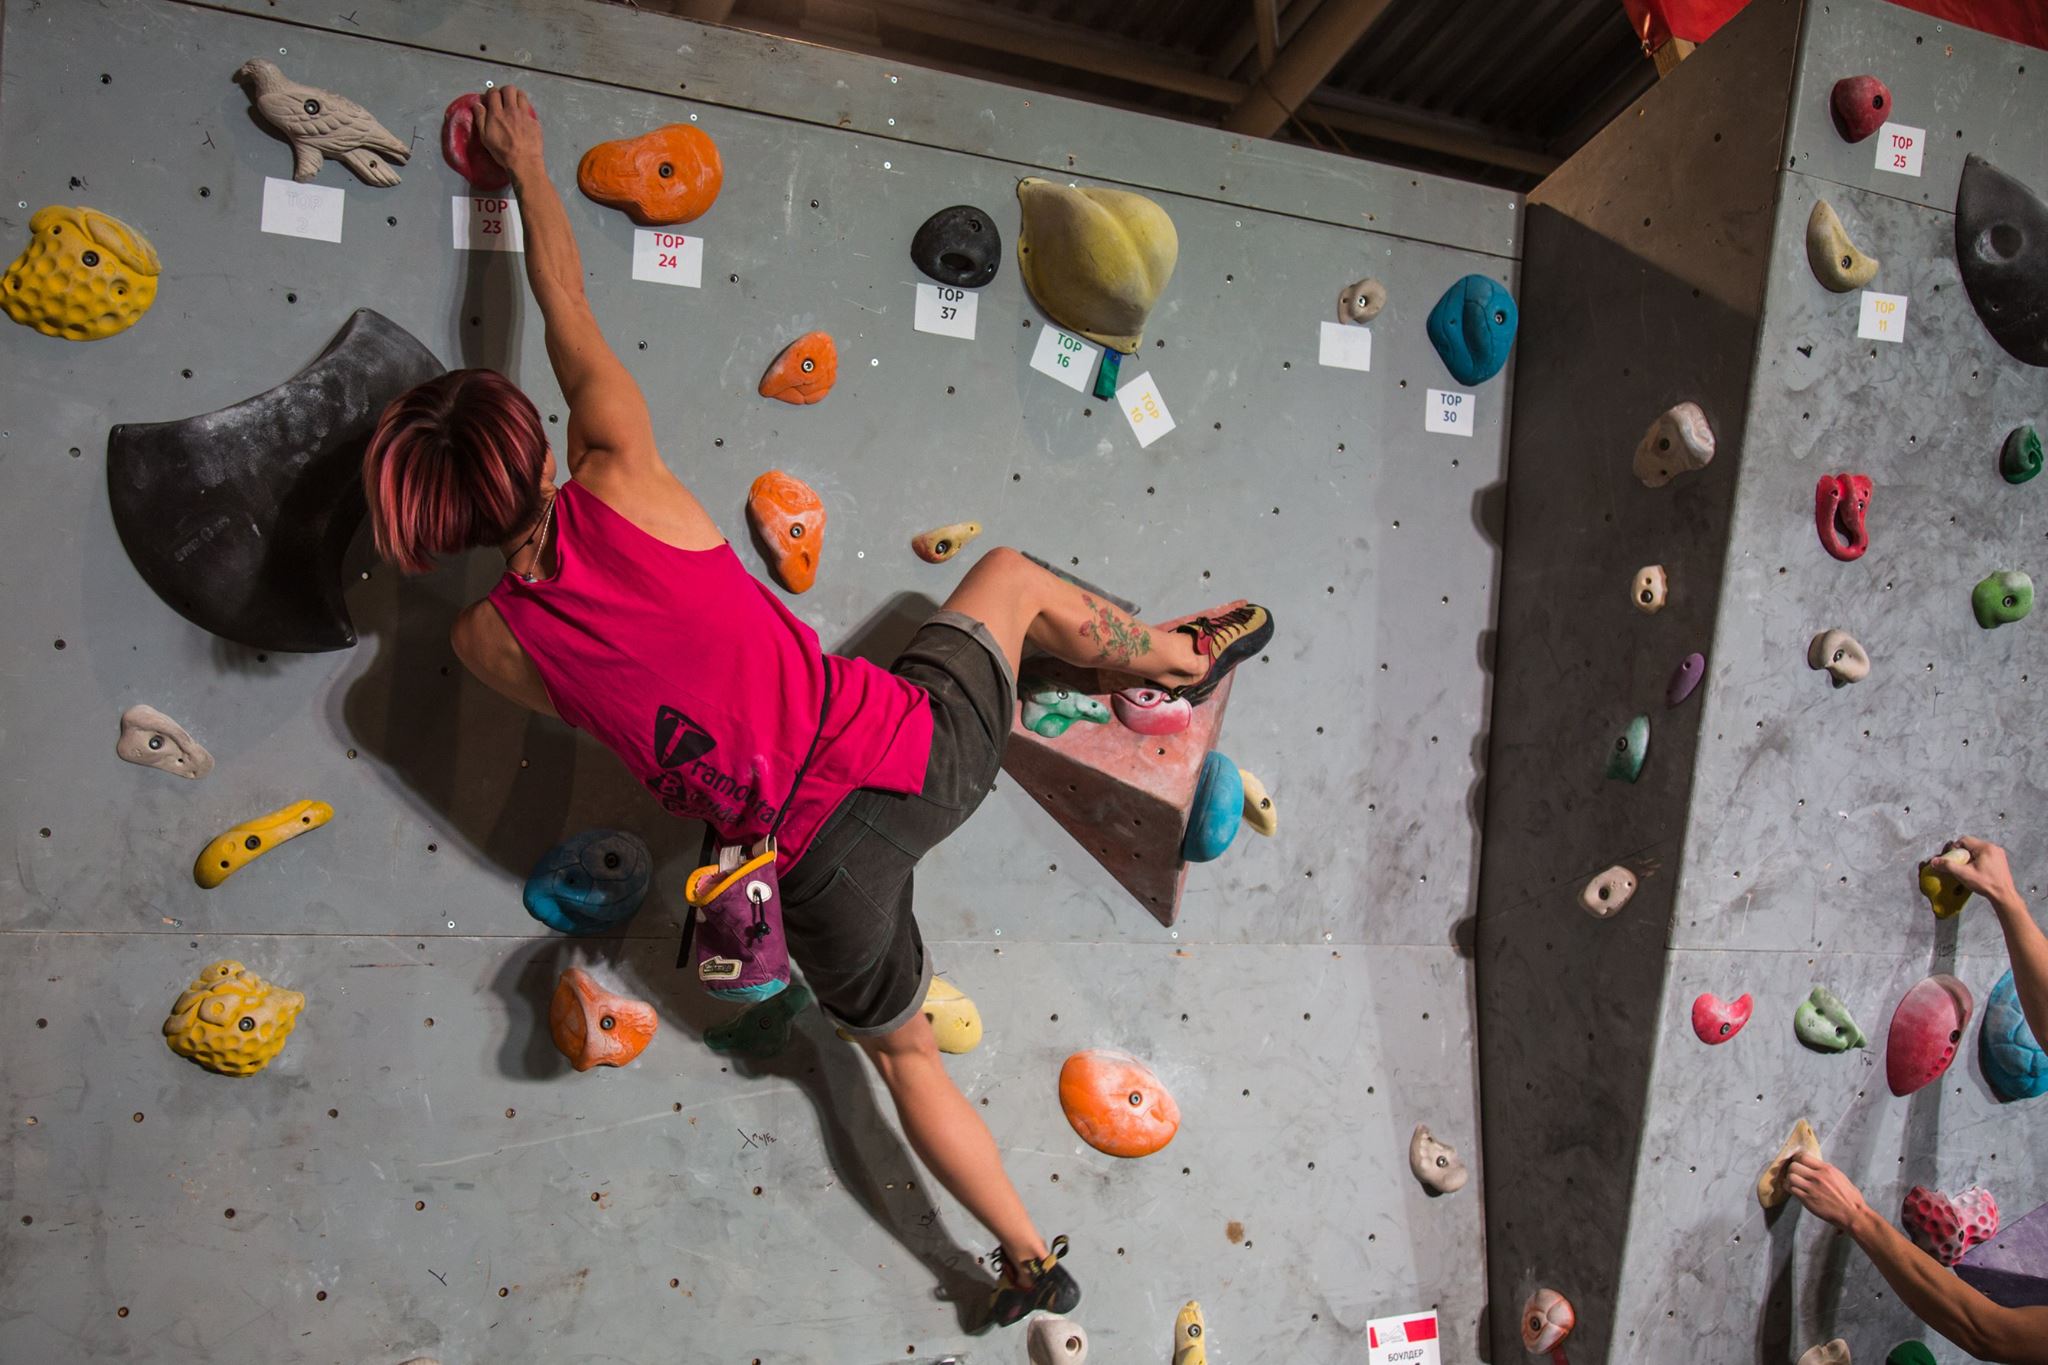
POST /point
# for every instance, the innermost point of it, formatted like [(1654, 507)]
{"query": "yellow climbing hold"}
[(1096, 260), (247, 842), (232, 1021), (1837, 262), (82, 276), (1259, 811), (956, 1023), (1190, 1336), (940, 544), (1945, 895), (1771, 1189)]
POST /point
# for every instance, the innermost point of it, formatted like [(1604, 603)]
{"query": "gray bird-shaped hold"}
[(321, 124)]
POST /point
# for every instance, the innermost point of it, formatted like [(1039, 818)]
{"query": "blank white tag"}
[(668, 258), (294, 210), (487, 222), (1344, 347)]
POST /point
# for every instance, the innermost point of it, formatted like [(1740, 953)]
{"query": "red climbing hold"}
[(1945, 1226), (1716, 1020), (1926, 1029), (1860, 105), (1839, 504), (463, 152)]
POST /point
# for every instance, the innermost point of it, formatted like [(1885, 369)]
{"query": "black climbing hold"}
[(958, 246), (238, 519), (2002, 252)]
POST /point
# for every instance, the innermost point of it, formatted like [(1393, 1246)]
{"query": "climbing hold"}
[(231, 1021), (1678, 442), (1217, 811), (1946, 1226), (2003, 598), (1838, 653), (1910, 1353), (2019, 459), (1116, 1104), (1835, 1352), (1096, 260), (1926, 1028), (593, 1027), (1630, 748), (83, 276), (805, 371), (1259, 812), (1837, 262), (1824, 1023), (762, 1029), (587, 884), (1650, 588), (958, 246), (661, 178), (1049, 709), (154, 740), (320, 124), (239, 519), (1050, 1339), (1859, 106), (247, 842), (1472, 327), (1150, 711), (1190, 1339), (1547, 1320), (1945, 895), (1360, 303), (1840, 504), (1106, 373), (2002, 252), (1607, 893), (1436, 1164), (1771, 1189), (956, 1023), (1685, 678), (1716, 1020), (2012, 1058), (464, 152), (789, 518), (938, 546)]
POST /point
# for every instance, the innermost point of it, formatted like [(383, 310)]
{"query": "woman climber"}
[(625, 612)]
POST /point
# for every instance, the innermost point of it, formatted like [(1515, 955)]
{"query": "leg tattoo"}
[(1117, 641)]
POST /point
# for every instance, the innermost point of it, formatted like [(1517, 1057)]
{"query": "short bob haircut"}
[(455, 463)]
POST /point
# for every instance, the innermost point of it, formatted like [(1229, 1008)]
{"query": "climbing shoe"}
[(1225, 641), (1032, 1286)]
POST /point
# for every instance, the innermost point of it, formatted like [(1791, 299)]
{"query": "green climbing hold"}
[(1049, 709), (1113, 363), (2003, 598), (1824, 1024), (762, 1030), (1631, 747), (1910, 1353), (2020, 459)]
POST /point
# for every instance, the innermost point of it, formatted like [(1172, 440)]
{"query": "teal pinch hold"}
[(2019, 459), (1105, 377), (1630, 748)]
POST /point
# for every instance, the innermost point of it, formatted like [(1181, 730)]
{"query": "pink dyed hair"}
[(454, 463)]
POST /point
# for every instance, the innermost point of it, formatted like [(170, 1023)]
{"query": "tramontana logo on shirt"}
[(678, 739), (694, 788)]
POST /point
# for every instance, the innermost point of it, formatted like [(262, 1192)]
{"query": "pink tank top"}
[(703, 683)]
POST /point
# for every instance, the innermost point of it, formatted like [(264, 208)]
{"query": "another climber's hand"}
[(1824, 1189), (510, 130), (1987, 873)]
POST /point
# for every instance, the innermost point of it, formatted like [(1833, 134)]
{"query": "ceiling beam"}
[(706, 11), (1265, 33), (1301, 66)]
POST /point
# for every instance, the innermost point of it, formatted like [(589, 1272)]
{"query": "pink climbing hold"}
[(462, 151), (1150, 711), (1840, 502), (1691, 669), (1926, 1029), (1716, 1020), (1946, 1226)]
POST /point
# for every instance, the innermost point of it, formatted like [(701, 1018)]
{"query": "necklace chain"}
[(539, 540)]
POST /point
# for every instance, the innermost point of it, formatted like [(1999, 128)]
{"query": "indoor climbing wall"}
[(418, 1171), (1776, 826)]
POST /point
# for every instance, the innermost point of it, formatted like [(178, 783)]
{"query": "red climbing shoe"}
[(1034, 1285), (1225, 641)]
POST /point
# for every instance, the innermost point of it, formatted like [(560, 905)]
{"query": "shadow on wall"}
[(1570, 1004)]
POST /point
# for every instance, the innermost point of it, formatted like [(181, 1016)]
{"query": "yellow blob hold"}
[(247, 842), (83, 275), (942, 543), (1096, 260), (1259, 811), (1945, 895), (1190, 1336), (232, 1021), (956, 1023)]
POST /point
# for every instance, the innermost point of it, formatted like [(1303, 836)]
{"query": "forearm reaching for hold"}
[(1989, 875)]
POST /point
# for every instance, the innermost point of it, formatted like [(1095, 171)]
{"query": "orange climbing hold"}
[(658, 179), (1116, 1103), (804, 372), (789, 516), (593, 1027)]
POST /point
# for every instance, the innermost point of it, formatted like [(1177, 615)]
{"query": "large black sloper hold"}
[(958, 246), (2002, 251), (239, 519)]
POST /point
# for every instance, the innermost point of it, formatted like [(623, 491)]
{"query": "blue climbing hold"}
[(1219, 806), (2013, 1061), (1472, 327), (587, 884)]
